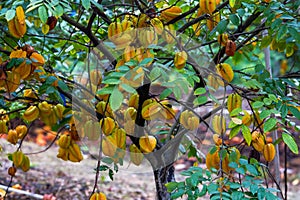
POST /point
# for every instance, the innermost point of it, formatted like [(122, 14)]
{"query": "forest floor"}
[(75, 181)]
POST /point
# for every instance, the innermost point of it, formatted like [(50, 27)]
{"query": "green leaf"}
[(269, 124), (222, 26), (63, 86), (183, 84), (177, 92), (212, 97), (193, 180), (290, 142), (281, 32), (203, 191), (200, 100), (251, 169), (86, 4), (241, 12), (105, 90), (234, 185), (267, 101), (10, 14), (231, 124), (116, 99), (264, 114), (59, 11), (294, 111), (273, 97), (253, 187), (155, 73), (235, 112), (111, 174), (234, 19), (50, 80), (165, 93), (257, 104), (247, 134), (43, 14), (146, 61), (171, 186), (177, 194), (266, 41), (99, 6), (128, 88), (33, 6), (200, 91), (240, 170), (111, 81), (276, 23), (284, 110), (294, 33), (231, 3)]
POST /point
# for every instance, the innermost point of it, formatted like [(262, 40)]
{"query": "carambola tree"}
[(149, 81)]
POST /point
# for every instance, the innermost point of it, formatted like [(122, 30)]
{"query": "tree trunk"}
[(163, 157), (162, 176), (162, 164)]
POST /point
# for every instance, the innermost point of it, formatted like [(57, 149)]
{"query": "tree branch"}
[(92, 37), (101, 14), (240, 29)]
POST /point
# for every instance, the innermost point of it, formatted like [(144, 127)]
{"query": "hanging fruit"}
[(17, 25), (226, 72), (269, 152), (180, 59), (230, 48), (234, 101), (189, 120), (147, 143)]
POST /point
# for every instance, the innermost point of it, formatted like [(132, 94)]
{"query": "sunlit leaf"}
[(116, 99), (290, 142)]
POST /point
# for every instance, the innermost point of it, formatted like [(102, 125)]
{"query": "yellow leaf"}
[(231, 3), (45, 29), (237, 120)]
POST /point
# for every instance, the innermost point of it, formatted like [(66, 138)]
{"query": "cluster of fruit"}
[(114, 142), (92, 81), (135, 34), (27, 59), (4, 118), (241, 118), (134, 78), (216, 155), (224, 76), (30, 60), (259, 144), (14, 135), (68, 149), (17, 25), (208, 7), (144, 29), (48, 113), (20, 160), (153, 109), (114, 145), (138, 54)]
